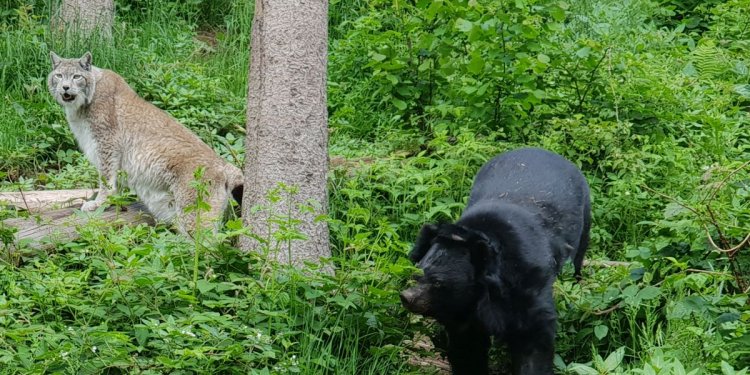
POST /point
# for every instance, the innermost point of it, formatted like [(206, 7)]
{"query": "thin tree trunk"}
[(287, 133)]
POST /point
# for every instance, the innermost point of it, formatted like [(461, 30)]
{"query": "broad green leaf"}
[(688, 305), (559, 363), (398, 103), (425, 65), (483, 89), (743, 90), (557, 13), (543, 58), (649, 370), (141, 333), (378, 57), (582, 369), (726, 368), (674, 209), (205, 286), (476, 64), (584, 52), (630, 291), (740, 68), (649, 292), (614, 359), (600, 331), (464, 25)]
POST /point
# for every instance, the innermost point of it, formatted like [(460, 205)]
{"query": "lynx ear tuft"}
[(85, 61), (55, 59)]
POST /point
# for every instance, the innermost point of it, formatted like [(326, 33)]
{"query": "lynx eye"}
[(58, 76), (77, 76)]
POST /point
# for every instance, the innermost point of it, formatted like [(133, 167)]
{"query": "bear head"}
[(453, 260)]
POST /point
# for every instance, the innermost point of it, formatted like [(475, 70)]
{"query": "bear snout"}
[(413, 300)]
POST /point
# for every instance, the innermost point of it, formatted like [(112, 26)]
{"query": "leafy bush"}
[(126, 300)]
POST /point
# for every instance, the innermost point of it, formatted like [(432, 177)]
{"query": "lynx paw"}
[(89, 206)]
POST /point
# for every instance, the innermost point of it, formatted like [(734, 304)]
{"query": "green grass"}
[(11, 133)]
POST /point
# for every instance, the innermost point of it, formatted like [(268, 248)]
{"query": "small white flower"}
[(64, 355), (188, 333), (627, 193), (94, 349)]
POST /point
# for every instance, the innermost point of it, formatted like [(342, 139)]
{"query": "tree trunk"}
[(85, 18), (287, 133)]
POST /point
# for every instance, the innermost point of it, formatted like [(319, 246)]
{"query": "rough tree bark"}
[(287, 132), (84, 17)]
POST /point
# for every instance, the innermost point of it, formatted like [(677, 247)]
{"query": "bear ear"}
[(423, 242), (480, 252)]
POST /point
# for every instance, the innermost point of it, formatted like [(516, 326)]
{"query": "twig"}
[(695, 270), (705, 227), (716, 247), (673, 199), (724, 181), (732, 251), (606, 263), (23, 196), (710, 198), (608, 310), (591, 79)]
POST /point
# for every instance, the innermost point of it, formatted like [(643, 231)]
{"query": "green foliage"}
[(479, 64), (692, 14), (244, 315), (195, 99), (405, 192)]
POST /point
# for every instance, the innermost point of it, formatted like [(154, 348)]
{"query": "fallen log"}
[(45, 200), (42, 230)]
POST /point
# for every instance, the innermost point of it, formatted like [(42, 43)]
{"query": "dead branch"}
[(716, 247), (606, 263), (607, 310), (715, 273)]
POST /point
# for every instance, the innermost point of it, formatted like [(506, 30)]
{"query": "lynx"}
[(119, 131)]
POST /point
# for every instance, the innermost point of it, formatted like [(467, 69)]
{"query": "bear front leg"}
[(533, 351), (468, 350)]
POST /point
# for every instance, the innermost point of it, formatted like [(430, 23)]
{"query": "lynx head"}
[(71, 81)]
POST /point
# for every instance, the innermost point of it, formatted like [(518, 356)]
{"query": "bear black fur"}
[(491, 273)]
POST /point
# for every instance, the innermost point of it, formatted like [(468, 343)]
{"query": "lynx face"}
[(71, 81)]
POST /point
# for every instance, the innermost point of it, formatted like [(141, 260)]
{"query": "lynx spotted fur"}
[(118, 130)]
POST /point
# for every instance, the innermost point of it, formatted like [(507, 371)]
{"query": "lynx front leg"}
[(107, 186)]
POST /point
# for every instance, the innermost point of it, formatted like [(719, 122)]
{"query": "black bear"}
[(491, 273)]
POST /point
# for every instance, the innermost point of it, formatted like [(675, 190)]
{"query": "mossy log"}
[(54, 217)]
